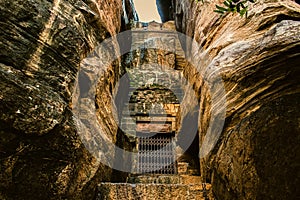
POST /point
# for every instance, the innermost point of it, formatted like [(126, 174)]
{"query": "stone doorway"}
[(151, 123)]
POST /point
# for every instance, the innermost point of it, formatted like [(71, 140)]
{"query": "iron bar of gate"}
[(156, 155)]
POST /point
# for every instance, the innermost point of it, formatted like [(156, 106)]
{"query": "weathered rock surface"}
[(41, 46), (165, 9), (157, 186), (148, 191), (257, 155)]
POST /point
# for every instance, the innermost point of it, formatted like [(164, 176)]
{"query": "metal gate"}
[(156, 154)]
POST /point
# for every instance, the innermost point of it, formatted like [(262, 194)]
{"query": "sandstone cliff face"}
[(257, 155), (42, 44)]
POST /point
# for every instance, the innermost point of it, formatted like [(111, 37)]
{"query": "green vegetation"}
[(240, 6)]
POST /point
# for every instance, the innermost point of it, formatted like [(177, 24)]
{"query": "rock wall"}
[(257, 155), (42, 44), (165, 9)]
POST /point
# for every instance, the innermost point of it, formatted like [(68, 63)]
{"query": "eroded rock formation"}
[(257, 155), (165, 9), (42, 45)]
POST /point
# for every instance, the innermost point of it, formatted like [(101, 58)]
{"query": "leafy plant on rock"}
[(240, 6)]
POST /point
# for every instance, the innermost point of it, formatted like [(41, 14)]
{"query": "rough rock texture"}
[(165, 9), (257, 155), (41, 46), (150, 191)]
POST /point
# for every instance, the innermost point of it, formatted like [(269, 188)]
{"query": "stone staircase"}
[(149, 186), (154, 98), (156, 187)]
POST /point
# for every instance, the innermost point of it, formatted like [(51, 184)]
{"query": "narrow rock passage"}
[(151, 119)]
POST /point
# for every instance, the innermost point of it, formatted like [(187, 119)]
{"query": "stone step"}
[(165, 179), (174, 91), (133, 114), (127, 191), (187, 179), (157, 179)]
